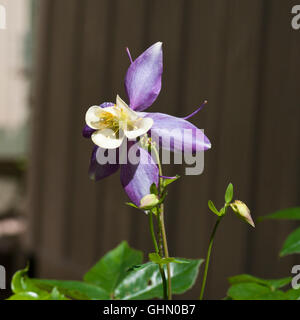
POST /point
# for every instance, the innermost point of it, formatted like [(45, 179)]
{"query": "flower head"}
[(113, 123), (109, 124)]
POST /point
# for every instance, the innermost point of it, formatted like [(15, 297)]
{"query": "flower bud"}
[(242, 211), (149, 201)]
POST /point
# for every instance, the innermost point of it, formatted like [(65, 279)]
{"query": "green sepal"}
[(166, 182), (212, 208), (130, 204), (153, 189), (229, 193)]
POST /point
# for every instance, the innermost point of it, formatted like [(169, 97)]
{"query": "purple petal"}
[(137, 179), (106, 104), (87, 131), (143, 78), (99, 171), (177, 134)]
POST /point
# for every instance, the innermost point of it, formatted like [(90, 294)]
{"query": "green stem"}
[(166, 250), (152, 232), (162, 225), (208, 256), (160, 243), (161, 270)]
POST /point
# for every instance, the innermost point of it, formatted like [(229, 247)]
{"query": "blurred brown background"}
[(243, 56)]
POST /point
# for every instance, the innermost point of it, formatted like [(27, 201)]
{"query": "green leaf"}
[(222, 211), (293, 294), (26, 288), (247, 287), (153, 189), (145, 283), (53, 295), (56, 295), (254, 291), (74, 289), (17, 284), (24, 296), (166, 182), (110, 279), (111, 270), (130, 204), (229, 193), (174, 260), (271, 284), (291, 244), (213, 208), (285, 214), (22, 283), (155, 258), (141, 266)]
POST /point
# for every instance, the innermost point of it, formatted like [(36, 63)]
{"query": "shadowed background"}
[(242, 56)]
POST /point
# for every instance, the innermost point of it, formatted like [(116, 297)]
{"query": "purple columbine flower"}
[(110, 123)]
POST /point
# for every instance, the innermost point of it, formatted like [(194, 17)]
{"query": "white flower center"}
[(113, 123)]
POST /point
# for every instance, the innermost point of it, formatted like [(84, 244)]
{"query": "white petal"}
[(93, 115), (142, 126), (121, 104), (111, 110), (107, 139)]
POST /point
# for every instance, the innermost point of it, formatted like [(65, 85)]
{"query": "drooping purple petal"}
[(177, 134), (99, 171), (87, 131), (143, 78), (137, 178)]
